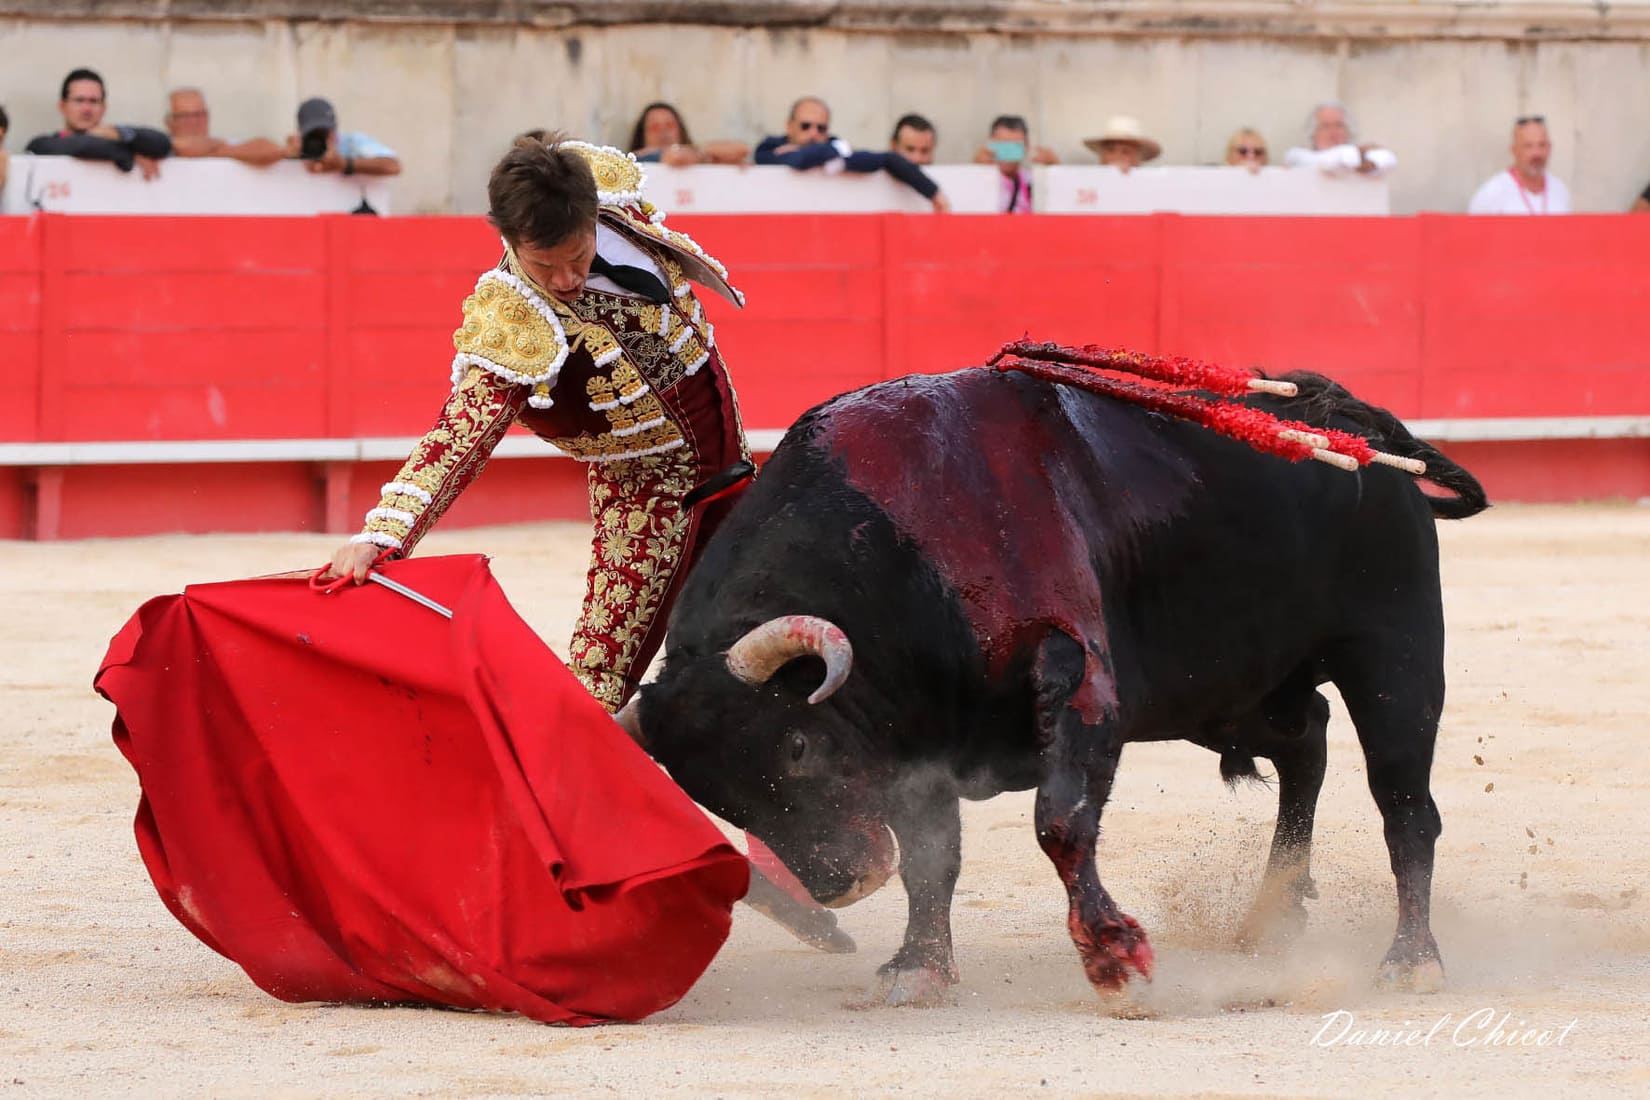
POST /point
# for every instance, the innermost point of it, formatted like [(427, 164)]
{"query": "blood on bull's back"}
[(1023, 575)]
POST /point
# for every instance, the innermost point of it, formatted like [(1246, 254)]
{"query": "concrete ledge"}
[(1332, 19), (1517, 429)]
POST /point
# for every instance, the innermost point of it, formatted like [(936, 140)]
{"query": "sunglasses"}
[(1525, 120), (822, 127), (1249, 150)]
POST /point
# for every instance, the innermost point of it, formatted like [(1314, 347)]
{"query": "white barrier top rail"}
[(205, 185), (217, 186), (1056, 189)]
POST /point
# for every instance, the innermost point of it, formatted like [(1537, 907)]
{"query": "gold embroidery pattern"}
[(503, 327), (641, 533), (632, 325), (605, 448), (617, 332), (618, 175), (450, 455)]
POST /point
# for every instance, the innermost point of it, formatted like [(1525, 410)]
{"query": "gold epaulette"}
[(513, 333)]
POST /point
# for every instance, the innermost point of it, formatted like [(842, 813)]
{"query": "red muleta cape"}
[(356, 799)]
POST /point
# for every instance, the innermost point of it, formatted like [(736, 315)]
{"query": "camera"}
[(314, 145)]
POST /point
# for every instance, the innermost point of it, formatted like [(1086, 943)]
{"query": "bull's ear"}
[(629, 718)]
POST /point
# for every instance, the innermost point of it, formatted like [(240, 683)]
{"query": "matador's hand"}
[(353, 559)]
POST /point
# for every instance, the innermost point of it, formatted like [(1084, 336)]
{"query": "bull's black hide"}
[(1029, 576)]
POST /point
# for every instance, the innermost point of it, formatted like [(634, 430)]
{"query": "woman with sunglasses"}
[(1246, 149)]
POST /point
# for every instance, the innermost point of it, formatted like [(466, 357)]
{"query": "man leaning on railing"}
[(807, 143), (84, 134), (1332, 149), (189, 124)]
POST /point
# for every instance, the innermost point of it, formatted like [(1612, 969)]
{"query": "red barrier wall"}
[(280, 328)]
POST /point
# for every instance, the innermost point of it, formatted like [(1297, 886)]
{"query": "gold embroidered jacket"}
[(591, 376)]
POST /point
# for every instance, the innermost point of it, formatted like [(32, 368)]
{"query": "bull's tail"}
[(1321, 399), (1237, 767)]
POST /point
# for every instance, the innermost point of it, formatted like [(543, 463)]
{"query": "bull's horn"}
[(760, 653), (629, 718)]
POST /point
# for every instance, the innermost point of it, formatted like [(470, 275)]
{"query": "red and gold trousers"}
[(645, 541)]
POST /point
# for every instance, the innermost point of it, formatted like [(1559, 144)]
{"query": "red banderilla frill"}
[(1082, 367)]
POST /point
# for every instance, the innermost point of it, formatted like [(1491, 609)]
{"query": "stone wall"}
[(447, 82)]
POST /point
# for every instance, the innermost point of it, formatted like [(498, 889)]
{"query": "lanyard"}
[(1019, 194), (1524, 196)]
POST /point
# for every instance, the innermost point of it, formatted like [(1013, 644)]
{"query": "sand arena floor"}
[(1541, 899)]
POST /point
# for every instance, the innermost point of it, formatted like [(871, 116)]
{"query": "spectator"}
[(1525, 188), (660, 136), (1331, 150), (323, 148), (1641, 205), (1123, 144), (82, 103), (5, 124), (190, 126), (807, 143), (1246, 149), (913, 139), (1009, 148)]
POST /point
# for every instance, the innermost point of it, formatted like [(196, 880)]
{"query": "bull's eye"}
[(796, 747)]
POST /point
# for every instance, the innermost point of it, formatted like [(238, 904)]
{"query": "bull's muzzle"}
[(876, 876)]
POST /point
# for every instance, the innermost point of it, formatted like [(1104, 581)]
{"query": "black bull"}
[(1024, 576)]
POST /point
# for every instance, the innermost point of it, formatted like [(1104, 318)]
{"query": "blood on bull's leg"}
[(927, 822), (1081, 764)]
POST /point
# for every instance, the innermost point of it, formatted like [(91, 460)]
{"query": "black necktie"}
[(634, 279)]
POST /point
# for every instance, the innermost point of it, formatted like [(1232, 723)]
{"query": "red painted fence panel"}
[(223, 328), (20, 327), (145, 329), (1541, 317)]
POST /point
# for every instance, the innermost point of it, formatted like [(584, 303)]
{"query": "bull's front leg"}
[(1081, 762), (928, 825)]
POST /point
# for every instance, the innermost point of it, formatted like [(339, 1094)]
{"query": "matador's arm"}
[(445, 461)]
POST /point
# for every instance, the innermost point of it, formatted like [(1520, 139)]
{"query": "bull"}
[(948, 587)]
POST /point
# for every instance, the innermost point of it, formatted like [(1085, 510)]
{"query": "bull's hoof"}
[(1422, 976), (912, 987), (1110, 953), (813, 925)]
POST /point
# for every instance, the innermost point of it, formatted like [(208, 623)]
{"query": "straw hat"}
[(1126, 128)]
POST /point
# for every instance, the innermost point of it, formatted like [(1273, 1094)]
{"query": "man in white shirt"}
[(1331, 149), (1526, 187)]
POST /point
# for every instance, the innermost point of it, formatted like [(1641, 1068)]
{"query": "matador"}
[(616, 365)]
